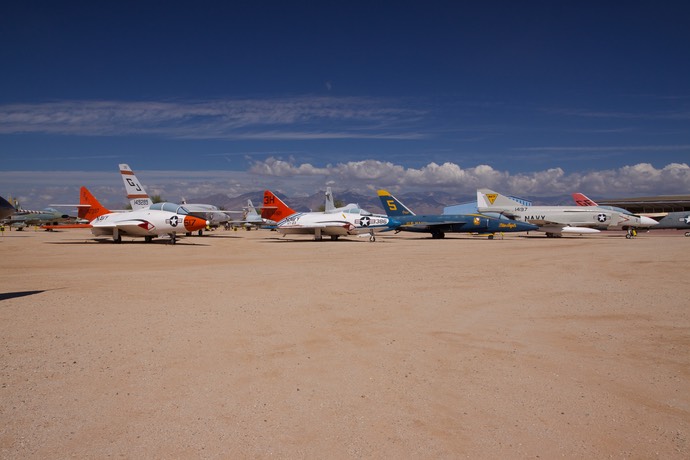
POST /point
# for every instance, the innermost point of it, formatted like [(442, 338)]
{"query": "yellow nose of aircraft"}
[(192, 223)]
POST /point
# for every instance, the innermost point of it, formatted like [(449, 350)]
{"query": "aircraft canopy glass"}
[(355, 209), (170, 207)]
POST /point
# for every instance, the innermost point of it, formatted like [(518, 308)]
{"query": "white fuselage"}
[(145, 223), (573, 216), (351, 221)]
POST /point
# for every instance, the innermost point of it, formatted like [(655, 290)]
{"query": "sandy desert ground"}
[(244, 345)]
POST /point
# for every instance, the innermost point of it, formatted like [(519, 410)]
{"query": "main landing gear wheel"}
[(437, 234), (372, 238)]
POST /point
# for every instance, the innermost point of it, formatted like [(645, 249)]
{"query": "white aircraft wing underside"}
[(340, 229), (132, 227)]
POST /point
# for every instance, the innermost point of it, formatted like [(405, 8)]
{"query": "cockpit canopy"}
[(353, 208), (170, 207)]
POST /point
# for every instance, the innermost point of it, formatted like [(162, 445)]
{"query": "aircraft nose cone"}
[(527, 227), (647, 221), (192, 223)]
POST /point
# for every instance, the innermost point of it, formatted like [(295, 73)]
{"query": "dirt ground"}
[(246, 345)]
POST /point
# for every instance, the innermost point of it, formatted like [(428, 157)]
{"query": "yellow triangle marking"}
[(492, 197)]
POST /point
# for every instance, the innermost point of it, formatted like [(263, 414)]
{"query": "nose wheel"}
[(631, 233)]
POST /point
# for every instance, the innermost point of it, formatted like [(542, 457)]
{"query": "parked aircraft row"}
[(494, 213)]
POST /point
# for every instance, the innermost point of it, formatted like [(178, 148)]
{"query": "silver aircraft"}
[(557, 220)]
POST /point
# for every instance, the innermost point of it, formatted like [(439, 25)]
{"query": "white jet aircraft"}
[(156, 220), (348, 220), (645, 222), (139, 199), (556, 220), (250, 219)]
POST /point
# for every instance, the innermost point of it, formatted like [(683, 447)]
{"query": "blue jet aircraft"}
[(440, 224)]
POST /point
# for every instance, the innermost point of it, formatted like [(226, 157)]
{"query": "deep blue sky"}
[(280, 90)]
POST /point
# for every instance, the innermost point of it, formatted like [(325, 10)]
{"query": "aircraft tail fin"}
[(487, 198), (4, 204), (274, 209), (393, 206), (330, 203), (582, 200), (136, 194), (251, 215), (89, 206)]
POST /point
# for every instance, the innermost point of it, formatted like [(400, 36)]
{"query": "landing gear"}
[(372, 237), (553, 235), (632, 232), (148, 239), (173, 238), (687, 233), (437, 234), (334, 237), (117, 238)]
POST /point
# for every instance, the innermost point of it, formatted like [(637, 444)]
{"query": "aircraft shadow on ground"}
[(306, 239), (230, 237), (13, 295), (108, 241)]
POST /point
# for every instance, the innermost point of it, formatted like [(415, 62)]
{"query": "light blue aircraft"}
[(21, 218)]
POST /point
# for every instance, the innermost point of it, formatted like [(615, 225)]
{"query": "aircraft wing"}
[(127, 226), (429, 225), (545, 223), (326, 228)]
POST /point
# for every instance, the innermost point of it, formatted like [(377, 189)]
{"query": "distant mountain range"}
[(419, 203)]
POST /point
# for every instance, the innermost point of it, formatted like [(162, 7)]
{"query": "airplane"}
[(6, 208), (440, 224), (251, 219), (645, 222), (344, 221), (676, 221), (557, 220), (672, 220), (22, 218), (139, 199), (156, 220)]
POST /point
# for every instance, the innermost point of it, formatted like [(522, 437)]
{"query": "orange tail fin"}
[(274, 209), (93, 209), (582, 200)]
